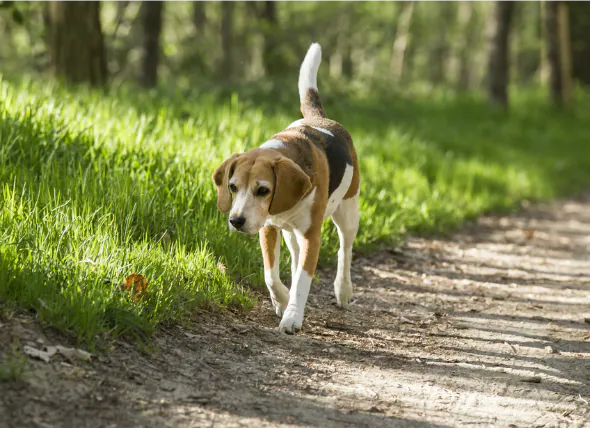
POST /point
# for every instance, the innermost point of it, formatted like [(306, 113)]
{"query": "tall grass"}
[(95, 187)]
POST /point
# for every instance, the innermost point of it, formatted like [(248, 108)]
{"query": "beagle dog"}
[(292, 183)]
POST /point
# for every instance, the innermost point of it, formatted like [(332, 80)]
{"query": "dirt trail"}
[(490, 327)]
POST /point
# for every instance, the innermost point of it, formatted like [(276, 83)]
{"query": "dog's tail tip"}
[(308, 85)]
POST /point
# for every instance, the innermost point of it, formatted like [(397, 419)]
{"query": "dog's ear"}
[(221, 177), (291, 185)]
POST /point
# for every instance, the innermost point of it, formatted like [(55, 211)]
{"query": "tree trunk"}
[(565, 52), (465, 48), (580, 26), (199, 17), (77, 45), (340, 60), (559, 53), (227, 16), (498, 65), (270, 53), (396, 65), (441, 54), (543, 58), (151, 17)]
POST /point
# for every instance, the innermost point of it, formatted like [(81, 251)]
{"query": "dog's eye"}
[(262, 191), (233, 188)]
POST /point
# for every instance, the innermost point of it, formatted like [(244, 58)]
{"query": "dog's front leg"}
[(271, 247), (309, 248), (293, 246)]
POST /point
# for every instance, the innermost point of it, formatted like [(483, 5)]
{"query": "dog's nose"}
[(237, 222)]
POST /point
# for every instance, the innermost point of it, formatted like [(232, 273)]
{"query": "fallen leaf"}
[(529, 233), (137, 285)]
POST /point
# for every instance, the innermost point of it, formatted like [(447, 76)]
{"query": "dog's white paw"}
[(280, 299), (343, 291), (292, 321)]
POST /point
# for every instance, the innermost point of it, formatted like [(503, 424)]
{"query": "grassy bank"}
[(96, 187)]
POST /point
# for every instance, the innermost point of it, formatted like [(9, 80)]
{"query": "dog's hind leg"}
[(346, 219), (270, 243), (293, 246)]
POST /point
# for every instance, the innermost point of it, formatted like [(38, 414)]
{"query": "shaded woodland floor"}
[(488, 326)]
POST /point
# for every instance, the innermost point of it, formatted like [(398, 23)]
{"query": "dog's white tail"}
[(311, 106)]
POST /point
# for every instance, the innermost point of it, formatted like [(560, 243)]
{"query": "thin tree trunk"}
[(565, 51), (402, 35), (199, 17), (466, 39), (152, 27), (269, 52), (227, 15), (340, 61), (580, 25), (543, 58), (559, 53), (498, 65), (513, 51), (553, 51), (440, 55), (77, 43)]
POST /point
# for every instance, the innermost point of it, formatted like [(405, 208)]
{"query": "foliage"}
[(357, 38)]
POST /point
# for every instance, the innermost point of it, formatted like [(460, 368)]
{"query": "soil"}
[(489, 327)]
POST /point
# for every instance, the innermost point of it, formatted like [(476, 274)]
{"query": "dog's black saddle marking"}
[(336, 150), (338, 158)]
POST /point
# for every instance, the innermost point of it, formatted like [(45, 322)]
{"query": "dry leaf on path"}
[(137, 285), (528, 233)]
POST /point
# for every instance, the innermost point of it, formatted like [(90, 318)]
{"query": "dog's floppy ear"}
[(291, 185), (221, 176)]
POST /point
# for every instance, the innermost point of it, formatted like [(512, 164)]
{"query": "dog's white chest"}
[(297, 218)]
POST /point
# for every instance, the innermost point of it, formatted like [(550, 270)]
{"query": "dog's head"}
[(257, 184)]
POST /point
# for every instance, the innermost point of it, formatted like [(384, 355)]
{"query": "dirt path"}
[(485, 328)]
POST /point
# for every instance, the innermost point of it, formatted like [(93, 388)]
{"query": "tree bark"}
[(559, 52), (227, 16), (580, 29), (402, 35), (199, 17), (465, 46), (441, 54), (77, 43), (270, 53), (499, 64), (340, 60), (151, 18), (543, 58)]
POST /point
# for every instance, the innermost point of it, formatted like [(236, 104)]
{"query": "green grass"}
[(91, 183)]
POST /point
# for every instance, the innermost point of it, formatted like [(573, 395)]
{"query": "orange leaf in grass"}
[(137, 285)]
